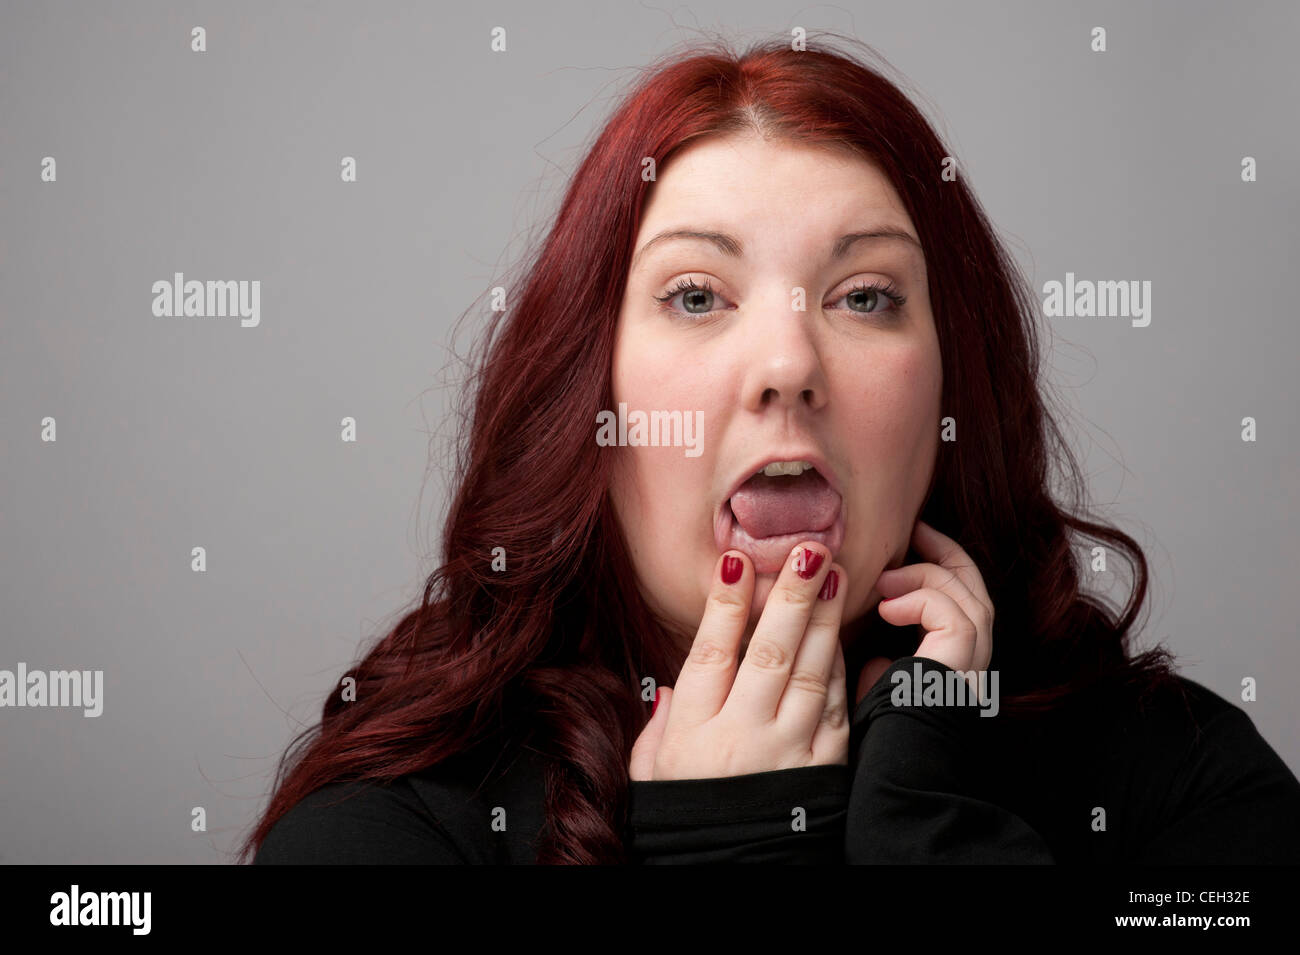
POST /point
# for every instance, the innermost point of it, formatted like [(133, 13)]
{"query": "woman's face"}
[(850, 383)]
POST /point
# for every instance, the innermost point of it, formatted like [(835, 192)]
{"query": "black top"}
[(1099, 781)]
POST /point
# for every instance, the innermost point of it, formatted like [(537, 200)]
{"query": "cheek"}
[(895, 410), (661, 494), (915, 378), (893, 425), (668, 537)]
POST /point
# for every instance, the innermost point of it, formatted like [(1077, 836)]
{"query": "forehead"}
[(769, 172), (770, 194)]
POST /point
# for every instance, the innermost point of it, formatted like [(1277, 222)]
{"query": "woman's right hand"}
[(785, 705)]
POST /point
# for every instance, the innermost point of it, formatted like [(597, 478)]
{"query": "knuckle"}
[(766, 654), (809, 681), (795, 596), (730, 602), (708, 653), (835, 715)]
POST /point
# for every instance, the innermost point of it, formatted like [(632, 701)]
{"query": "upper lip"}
[(812, 457)]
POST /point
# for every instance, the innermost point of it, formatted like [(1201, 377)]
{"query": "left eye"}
[(869, 296)]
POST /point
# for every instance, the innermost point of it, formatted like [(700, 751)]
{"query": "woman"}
[(772, 246)]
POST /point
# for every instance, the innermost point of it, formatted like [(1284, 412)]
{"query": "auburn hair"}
[(553, 652)]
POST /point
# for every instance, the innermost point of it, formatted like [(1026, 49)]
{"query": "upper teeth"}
[(793, 468)]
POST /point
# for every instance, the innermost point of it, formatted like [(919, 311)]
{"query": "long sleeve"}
[(915, 797), (788, 816), (1231, 801)]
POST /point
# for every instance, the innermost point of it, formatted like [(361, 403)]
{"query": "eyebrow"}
[(730, 245)]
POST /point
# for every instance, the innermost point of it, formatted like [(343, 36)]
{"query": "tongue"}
[(767, 506)]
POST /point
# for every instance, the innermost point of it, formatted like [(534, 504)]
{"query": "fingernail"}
[(807, 563), (732, 568), (656, 706), (830, 585)]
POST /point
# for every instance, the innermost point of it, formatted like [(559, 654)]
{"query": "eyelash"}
[(886, 288)]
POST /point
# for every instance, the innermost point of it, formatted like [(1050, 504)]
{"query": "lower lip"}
[(769, 554)]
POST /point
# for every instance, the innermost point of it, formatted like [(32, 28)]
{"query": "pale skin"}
[(853, 377)]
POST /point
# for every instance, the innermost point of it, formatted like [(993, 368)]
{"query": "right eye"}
[(697, 298)]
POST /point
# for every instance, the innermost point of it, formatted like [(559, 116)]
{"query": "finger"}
[(710, 668), (830, 743), (764, 672), (950, 635), (947, 553), (952, 578), (932, 543), (903, 580), (642, 762), (803, 703)]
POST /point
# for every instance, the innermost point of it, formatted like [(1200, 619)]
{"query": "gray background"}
[(225, 165)]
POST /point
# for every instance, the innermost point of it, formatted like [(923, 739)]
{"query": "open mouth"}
[(768, 516)]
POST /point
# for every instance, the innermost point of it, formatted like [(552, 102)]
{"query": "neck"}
[(870, 636)]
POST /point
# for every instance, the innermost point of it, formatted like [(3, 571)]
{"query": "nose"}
[(783, 361)]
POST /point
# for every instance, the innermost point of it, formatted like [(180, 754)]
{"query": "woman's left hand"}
[(947, 598)]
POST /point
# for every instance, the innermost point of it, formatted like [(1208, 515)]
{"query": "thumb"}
[(871, 672), (642, 763)]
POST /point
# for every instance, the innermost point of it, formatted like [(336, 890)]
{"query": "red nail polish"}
[(830, 585), (656, 706), (732, 568), (809, 562)]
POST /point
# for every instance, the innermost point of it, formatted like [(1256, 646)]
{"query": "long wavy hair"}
[(553, 652)]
